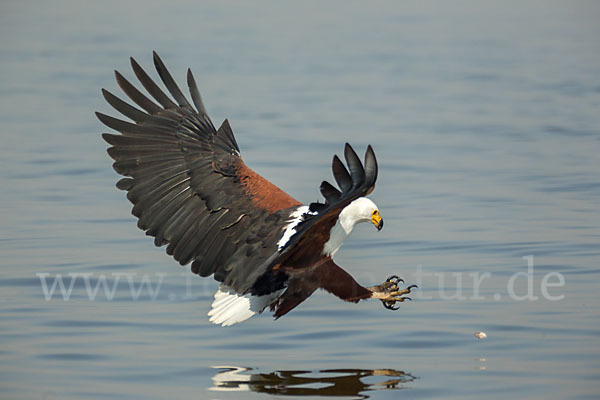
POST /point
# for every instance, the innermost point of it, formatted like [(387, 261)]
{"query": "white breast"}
[(338, 234)]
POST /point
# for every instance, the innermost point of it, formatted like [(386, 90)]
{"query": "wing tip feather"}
[(353, 176)]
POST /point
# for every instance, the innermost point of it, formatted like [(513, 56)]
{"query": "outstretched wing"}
[(188, 184)]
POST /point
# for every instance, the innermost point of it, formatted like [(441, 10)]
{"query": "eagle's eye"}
[(375, 212)]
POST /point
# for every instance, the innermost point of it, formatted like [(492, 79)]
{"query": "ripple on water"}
[(470, 181), (71, 357)]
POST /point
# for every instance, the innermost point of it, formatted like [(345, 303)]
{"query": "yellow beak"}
[(377, 221)]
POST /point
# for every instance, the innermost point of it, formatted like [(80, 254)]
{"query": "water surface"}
[(485, 121)]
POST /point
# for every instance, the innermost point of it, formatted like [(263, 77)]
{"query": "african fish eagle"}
[(191, 191)]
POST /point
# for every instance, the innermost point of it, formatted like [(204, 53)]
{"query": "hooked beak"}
[(377, 221)]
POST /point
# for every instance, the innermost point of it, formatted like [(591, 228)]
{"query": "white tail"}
[(230, 307)]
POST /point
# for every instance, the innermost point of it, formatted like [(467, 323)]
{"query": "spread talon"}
[(389, 293)]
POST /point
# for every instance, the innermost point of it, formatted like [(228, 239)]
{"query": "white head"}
[(360, 210)]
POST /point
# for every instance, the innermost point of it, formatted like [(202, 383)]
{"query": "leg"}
[(389, 292)]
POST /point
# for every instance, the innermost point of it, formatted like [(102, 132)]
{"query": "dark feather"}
[(162, 217), (195, 93), (341, 175), (225, 139), (330, 193), (195, 216), (370, 168), (175, 223), (169, 81), (138, 97), (125, 183), (130, 166), (184, 252), (150, 86), (146, 202), (124, 108), (127, 128), (357, 171), (120, 140)]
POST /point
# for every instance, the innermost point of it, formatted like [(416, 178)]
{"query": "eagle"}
[(192, 192)]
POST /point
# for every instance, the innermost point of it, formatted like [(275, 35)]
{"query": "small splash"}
[(480, 335)]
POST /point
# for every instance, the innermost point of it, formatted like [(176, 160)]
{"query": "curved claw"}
[(390, 305), (394, 279), (412, 286)]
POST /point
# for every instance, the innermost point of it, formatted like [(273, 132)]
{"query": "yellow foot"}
[(389, 292)]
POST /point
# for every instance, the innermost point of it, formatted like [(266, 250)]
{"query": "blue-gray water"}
[(486, 122)]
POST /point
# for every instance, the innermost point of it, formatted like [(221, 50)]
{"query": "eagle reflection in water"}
[(330, 382)]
